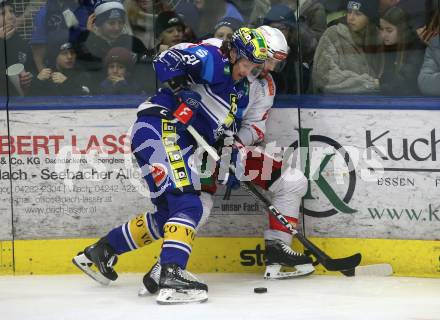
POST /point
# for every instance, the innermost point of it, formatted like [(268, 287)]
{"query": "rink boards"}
[(418, 258), (374, 188)]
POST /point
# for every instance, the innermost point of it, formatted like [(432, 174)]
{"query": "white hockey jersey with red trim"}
[(261, 98)]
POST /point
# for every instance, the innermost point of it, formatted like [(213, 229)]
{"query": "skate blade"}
[(84, 264), (273, 272), (173, 296)]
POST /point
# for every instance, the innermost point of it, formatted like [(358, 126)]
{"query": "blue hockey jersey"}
[(209, 74)]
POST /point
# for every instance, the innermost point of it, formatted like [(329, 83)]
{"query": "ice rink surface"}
[(231, 297)]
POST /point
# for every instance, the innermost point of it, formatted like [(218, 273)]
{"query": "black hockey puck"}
[(260, 290)]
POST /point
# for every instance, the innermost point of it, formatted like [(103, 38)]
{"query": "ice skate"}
[(150, 282), (97, 262), (179, 286), (279, 255)]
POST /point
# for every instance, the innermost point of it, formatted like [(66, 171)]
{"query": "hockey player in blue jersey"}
[(205, 86)]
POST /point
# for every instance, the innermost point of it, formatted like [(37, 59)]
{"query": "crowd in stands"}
[(95, 47)]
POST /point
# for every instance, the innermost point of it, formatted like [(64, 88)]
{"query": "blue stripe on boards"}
[(281, 101)]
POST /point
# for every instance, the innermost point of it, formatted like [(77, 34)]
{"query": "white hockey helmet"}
[(276, 43)]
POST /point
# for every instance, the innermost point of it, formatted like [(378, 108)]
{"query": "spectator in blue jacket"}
[(60, 18), (105, 30)]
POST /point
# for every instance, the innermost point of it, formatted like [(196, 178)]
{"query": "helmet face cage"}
[(250, 44)]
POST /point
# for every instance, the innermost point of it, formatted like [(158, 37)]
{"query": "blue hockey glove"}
[(188, 104)]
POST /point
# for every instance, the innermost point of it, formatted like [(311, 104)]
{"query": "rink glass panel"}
[(46, 206), (6, 214), (5, 187)]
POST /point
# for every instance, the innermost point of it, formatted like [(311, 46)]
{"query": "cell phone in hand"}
[(70, 19)]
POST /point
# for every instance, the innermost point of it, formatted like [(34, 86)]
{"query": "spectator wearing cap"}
[(13, 50), (211, 12), (62, 76), (105, 31), (169, 30), (312, 21), (336, 11), (118, 64), (311, 24), (280, 16), (283, 18), (346, 59), (66, 18), (225, 28)]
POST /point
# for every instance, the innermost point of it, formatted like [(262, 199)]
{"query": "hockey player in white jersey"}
[(285, 188)]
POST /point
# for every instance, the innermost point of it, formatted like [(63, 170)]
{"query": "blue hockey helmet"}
[(250, 44)]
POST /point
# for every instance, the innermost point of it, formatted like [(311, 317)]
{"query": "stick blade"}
[(340, 264), (374, 270)]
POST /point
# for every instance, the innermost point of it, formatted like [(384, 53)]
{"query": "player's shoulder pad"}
[(213, 42), (205, 50), (215, 65)]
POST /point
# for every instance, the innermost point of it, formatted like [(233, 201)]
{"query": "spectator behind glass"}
[(429, 77), (61, 77), (416, 10), (225, 28), (346, 59), (211, 12), (190, 16), (432, 21), (384, 5), (118, 64), (66, 18), (141, 15), (169, 28), (336, 11), (283, 18), (13, 49), (105, 31), (312, 22), (251, 11), (403, 54)]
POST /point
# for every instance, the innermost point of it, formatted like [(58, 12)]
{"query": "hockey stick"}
[(348, 266), (341, 264)]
